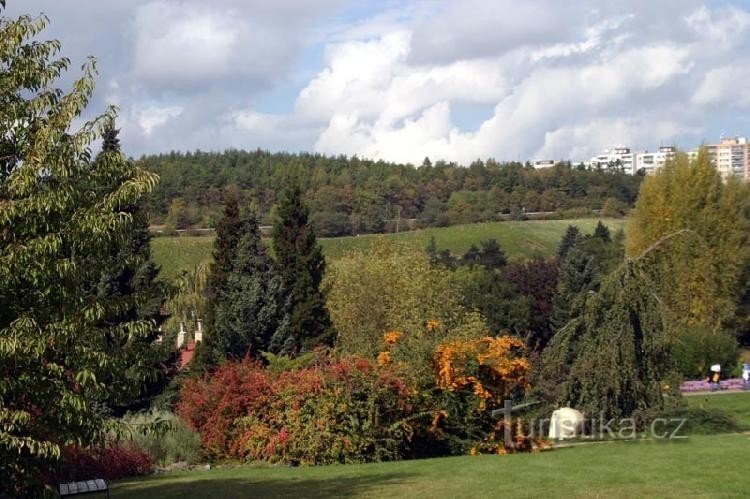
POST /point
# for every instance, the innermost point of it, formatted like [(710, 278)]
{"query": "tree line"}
[(350, 195)]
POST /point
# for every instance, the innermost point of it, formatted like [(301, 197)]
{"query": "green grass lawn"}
[(736, 403), (699, 466), (518, 239)]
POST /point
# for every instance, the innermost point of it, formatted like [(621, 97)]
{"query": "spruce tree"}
[(249, 310), (300, 263), (228, 233), (471, 257), (492, 256), (130, 276), (578, 274), (571, 238)]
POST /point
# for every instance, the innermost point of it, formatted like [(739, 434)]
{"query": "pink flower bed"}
[(704, 386)]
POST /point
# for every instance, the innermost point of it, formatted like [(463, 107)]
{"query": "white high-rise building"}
[(652, 161), (620, 155)]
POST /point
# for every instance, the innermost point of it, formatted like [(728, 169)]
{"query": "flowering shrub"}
[(492, 368), (337, 411), (473, 377), (112, 462)]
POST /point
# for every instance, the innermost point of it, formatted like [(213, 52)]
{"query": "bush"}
[(112, 462), (164, 437), (336, 411), (697, 348)]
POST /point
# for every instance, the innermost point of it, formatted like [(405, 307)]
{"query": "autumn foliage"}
[(335, 411)]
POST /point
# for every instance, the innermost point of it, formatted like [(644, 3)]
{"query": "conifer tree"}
[(492, 256), (471, 257), (571, 237), (129, 274), (249, 310), (228, 233), (578, 274), (300, 262), (610, 359)]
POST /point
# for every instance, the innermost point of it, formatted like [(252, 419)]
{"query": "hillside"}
[(518, 239)]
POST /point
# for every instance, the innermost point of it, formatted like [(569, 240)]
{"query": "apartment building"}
[(731, 157), (652, 161), (617, 155)]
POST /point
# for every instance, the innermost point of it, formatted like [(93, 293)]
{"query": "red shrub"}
[(337, 411), (112, 462)]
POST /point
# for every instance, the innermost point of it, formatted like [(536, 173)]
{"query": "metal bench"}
[(84, 487)]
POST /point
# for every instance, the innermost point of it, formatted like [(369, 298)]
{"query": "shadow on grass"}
[(255, 486)]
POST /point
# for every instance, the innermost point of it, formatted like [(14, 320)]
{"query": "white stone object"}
[(565, 423)]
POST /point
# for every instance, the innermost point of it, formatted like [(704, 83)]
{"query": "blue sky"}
[(403, 80)]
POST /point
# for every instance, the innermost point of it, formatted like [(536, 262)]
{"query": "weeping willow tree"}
[(61, 214)]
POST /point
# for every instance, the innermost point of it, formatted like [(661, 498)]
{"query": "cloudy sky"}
[(404, 80)]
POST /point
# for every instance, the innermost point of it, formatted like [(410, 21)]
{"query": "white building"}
[(621, 156), (652, 161)]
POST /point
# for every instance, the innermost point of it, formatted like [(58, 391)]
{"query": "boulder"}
[(565, 423)]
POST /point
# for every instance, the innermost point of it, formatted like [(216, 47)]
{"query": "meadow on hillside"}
[(518, 240)]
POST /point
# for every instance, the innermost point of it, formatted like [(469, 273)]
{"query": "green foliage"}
[(571, 237), (61, 216), (175, 443), (279, 363), (355, 196), (698, 223), (696, 348), (610, 359), (300, 263), (249, 310), (391, 288)]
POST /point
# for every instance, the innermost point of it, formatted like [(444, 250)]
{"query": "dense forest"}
[(353, 195)]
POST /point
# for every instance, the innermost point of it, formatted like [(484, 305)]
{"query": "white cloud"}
[(728, 85), (154, 117), (553, 79)]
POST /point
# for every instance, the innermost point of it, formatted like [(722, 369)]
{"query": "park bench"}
[(83, 487)]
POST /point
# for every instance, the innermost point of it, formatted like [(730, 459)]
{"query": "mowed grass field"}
[(698, 466), (518, 239)]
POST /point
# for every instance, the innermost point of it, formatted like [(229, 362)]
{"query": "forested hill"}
[(352, 195)]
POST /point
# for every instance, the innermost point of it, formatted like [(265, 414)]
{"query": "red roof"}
[(186, 355)]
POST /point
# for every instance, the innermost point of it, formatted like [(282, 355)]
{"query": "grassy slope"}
[(736, 403), (518, 239), (707, 466)]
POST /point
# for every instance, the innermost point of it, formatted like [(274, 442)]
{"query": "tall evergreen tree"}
[(300, 263), (249, 310), (578, 274), (571, 237), (228, 233), (130, 276)]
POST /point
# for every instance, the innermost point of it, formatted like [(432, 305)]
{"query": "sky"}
[(401, 81)]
